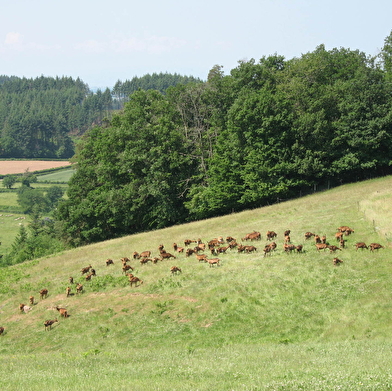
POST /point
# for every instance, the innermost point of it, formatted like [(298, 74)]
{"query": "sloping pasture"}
[(281, 322)]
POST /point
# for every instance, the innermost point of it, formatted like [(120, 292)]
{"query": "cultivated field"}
[(281, 322), (21, 166)]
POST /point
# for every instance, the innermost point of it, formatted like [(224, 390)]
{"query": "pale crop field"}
[(280, 322), (21, 166)]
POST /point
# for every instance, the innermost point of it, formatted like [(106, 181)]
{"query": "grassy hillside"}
[(282, 322)]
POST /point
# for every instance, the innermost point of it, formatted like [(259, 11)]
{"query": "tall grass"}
[(282, 322)]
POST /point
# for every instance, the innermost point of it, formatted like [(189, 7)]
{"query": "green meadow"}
[(280, 322)]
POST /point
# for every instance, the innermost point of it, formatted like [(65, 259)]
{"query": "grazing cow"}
[(124, 260), (333, 248), (233, 244), (250, 249), (308, 235), (267, 249), (135, 255), (288, 248), (79, 288), (145, 254), (93, 273), (287, 239), (125, 268), (175, 270), (161, 247), (86, 269), (88, 277), (31, 300), (252, 236), (337, 261), (287, 232), (143, 261), (21, 306), (1, 330), (230, 239), (213, 261), (321, 246), (63, 312), (271, 235), (361, 245), (189, 251), (201, 257), (135, 280), (324, 239), (219, 250), (339, 236), (71, 281), (215, 242), (43, 293), (317, 239), (48, 324), (342, 243), (299, 248), (167, 256), (68, 291), (109, 262), (198, 248), (345, 229), (187, 242), (375, 246), (240, 248), (178, 249)]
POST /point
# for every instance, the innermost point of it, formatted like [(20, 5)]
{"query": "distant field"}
[(58, 176), (20, 166)]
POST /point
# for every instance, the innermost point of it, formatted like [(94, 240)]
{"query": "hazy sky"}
[(105, 41)]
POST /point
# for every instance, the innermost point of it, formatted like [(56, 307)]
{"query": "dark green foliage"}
[(268, 131), (9, 181)]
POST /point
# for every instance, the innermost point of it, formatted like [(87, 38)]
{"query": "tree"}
[(9, 181), (53, 195)]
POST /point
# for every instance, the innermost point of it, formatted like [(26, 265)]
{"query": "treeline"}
[(266, 131), (42, 117)]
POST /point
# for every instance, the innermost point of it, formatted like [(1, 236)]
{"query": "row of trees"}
[(267, 130), (42, 117)]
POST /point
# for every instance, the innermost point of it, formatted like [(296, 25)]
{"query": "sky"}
[(102, 42)]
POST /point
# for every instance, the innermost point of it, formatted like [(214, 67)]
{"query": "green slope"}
[(286, 321)]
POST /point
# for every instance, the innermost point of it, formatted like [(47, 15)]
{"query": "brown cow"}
[(43, 293), (375, 246), (308, 235), (213, 261), (333, 248), (135, 280), (271, 235), (167, 256), (31, 300), (79, 288), (175, 270), (109, 262), (321, 246), (86, 269), (68, 291), (178, 249), (48, 324), (252, 236), (1, 330), (201, 257), (337, 261), (289, 247), (63, 312), (361, 245)]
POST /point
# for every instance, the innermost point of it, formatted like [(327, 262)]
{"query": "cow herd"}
[(200, 250)]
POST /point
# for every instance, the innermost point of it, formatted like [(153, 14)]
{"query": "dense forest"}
[(267, 131), (42, 117)]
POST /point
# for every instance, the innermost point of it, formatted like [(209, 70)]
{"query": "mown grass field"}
[(282, 322)]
